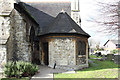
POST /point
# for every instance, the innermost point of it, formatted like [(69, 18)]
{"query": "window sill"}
[(81, 55)]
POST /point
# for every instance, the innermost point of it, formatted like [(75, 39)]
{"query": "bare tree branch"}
[(109, 17)]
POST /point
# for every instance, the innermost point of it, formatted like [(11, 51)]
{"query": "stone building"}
[(39, 33), (63, 42)]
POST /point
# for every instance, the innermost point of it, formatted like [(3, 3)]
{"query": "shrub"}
[(114, 51), (24, 78), (20, 69)]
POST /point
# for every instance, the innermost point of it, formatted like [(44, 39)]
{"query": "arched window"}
[(32, 34), (81, 48)]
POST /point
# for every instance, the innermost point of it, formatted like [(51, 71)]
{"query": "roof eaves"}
[(19, 7), (85, 34), (106, 42)]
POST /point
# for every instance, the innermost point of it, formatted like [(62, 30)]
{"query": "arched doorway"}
[(34, 41)]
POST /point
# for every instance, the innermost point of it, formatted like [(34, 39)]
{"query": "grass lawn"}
[(25, 78), (97, 69), (94, 56)]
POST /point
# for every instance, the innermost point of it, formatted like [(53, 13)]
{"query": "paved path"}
[(2, 74), (46, 73)]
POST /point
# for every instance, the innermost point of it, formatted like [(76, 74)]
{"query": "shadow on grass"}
[(98, 65), (24, 78)]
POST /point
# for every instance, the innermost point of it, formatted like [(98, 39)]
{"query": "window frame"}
[(81, 50)]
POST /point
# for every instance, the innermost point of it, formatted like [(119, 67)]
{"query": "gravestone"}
[(117, 59), (104, 57), (110, 57)]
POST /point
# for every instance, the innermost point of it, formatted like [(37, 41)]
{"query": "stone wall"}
[(6, 7), (62, 51), (4, 34), (17, 46), (75, 11), (2, 56)]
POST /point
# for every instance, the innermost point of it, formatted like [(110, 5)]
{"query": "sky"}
[(89, 9)]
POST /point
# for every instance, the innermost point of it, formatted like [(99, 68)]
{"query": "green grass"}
[(25, 78), (94, 56), (98, 65), (99, 69)]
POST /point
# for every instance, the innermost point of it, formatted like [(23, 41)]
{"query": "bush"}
[(114, 51), (25, 78), (20, 69)]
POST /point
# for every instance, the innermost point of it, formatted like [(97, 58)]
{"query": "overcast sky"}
[(88, 11)]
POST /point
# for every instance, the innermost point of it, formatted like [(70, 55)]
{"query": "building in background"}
[(111, 45)]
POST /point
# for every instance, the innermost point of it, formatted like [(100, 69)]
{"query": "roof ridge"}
[(77, 25)]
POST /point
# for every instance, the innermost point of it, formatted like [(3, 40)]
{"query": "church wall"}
[(4, 34), (5, 9), (75, 15), (17, 45), (2, 56), (75, 11), (62, 51)]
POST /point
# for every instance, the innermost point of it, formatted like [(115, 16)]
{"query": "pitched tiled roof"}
[(113, 41), (52, 8), (63, 23), (44, 13), (41, 17)]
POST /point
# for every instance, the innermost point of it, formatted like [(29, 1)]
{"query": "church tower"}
[(6, 6), (75, 11)]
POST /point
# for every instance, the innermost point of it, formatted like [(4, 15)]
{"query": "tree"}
[(94, 44), (109, 18)]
